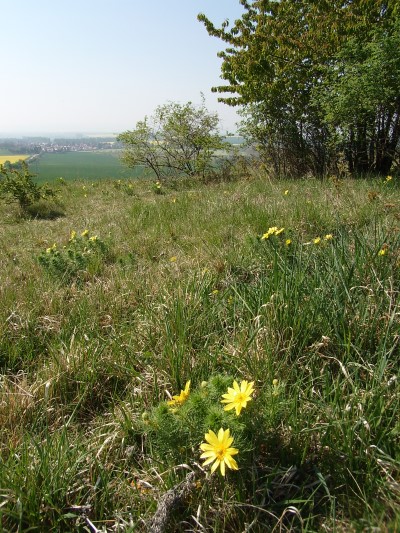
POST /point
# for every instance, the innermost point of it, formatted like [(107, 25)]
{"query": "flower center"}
[(220, 453), (240, 398)]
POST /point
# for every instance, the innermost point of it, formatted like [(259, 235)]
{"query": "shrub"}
[(17, 185), (81, 258)]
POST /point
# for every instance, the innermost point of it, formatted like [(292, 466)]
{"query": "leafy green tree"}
[(279, 53), (360, 97), (179, 139)]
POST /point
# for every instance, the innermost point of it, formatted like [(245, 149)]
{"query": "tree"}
[(278, 55), (360, 97), (179, 139)]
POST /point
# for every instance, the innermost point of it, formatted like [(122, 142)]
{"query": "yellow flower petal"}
[(215, 465)]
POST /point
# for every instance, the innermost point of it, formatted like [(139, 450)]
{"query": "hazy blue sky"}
[(101, 65)]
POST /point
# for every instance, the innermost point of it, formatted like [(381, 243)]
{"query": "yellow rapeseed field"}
[(12, 158)]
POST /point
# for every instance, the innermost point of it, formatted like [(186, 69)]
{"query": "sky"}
[(99, 66)]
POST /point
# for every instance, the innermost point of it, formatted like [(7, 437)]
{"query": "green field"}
[(81, 165)]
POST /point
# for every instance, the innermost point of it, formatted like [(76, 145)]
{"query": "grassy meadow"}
[(81, 165), (108, 312)]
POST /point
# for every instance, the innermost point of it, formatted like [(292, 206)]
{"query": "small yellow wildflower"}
[(272, 231), (215, 291), (288, 242), (217, 449), (328, 237), (181, 398), (286, 192), (389, 178), (237, 397), (173, 259), (51, 249), (93, 238), (73, 235), (317, 240), (85, 233), (382, 251)]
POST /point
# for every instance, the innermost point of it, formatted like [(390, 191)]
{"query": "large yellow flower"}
[(238, 397), (181, 398), (217, 449)]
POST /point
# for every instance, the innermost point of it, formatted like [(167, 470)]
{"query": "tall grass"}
[(190, 291)]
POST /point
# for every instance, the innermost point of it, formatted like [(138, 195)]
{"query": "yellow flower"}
[(329, 237), (272, 231), (286, 192), (217, 449), (237, 397), (51, 249), (172, 259), (181, 398), (93, 238), (389, 178), (73, 235), (382, 251), (85, 233), (317, 240), (288, 242)]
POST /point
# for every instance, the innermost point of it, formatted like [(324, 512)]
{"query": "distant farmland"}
[(81, 165), (12, 158)]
